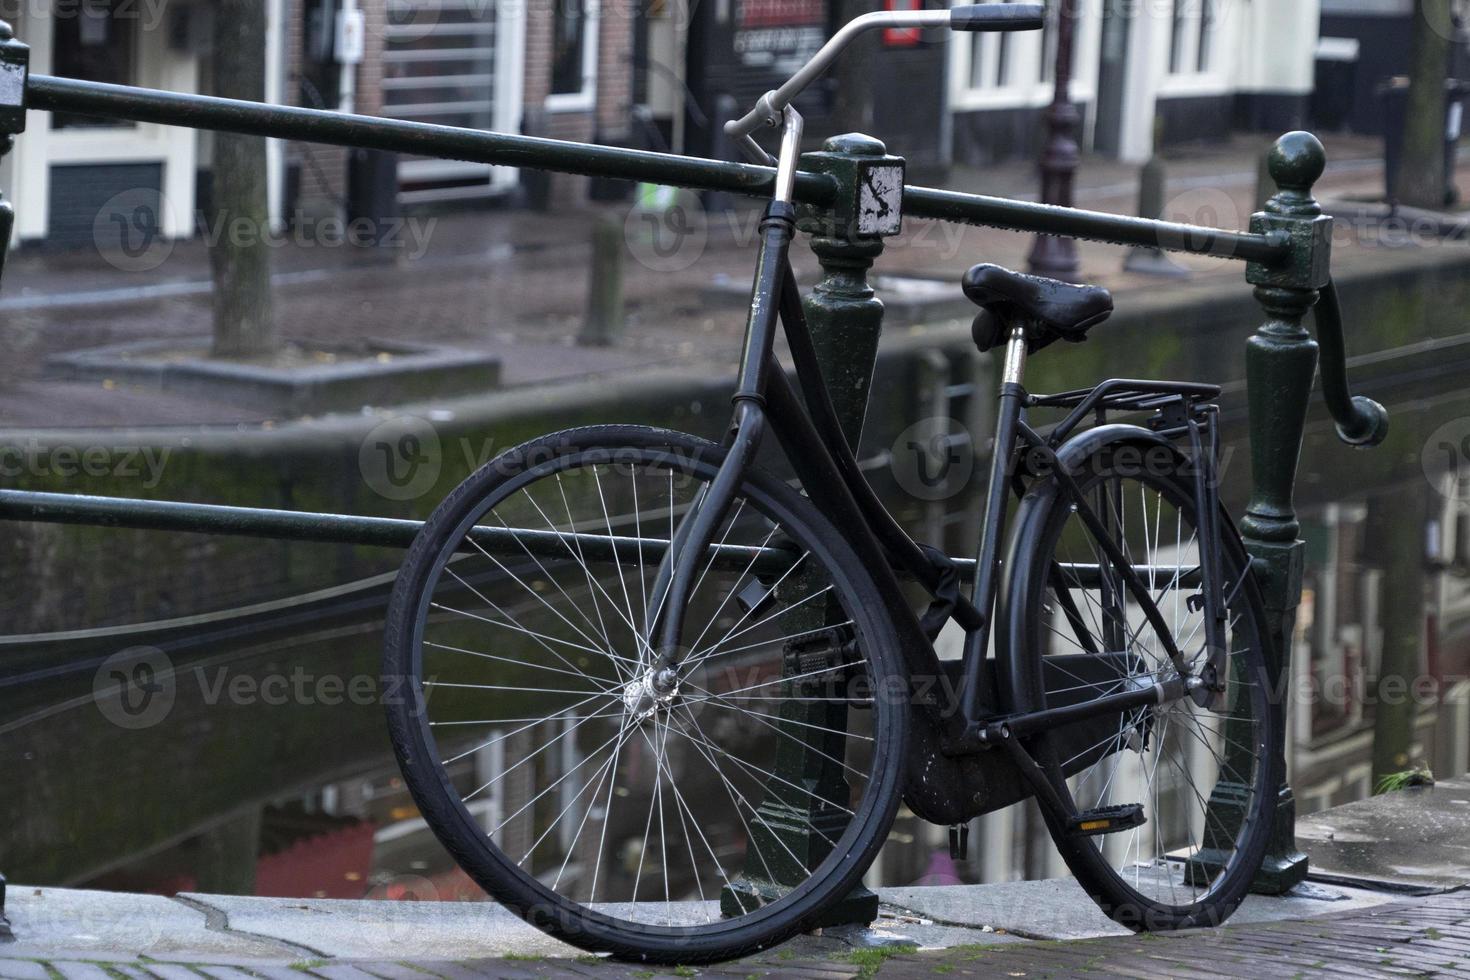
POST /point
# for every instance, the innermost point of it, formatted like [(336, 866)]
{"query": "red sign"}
[(751, 14), (901, 37)]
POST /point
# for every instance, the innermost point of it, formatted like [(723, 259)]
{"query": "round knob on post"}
[(1295, 163), (855, 144), (7, 33)]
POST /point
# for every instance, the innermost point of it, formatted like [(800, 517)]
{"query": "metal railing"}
[(1287, 251), (132, 104)]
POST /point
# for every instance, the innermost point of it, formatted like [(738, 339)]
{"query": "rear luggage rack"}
[(1173, 403)]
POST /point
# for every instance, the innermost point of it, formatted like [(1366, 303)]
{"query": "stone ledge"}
[(383, 373)]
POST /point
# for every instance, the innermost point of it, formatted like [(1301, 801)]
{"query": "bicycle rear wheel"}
[(1204, 777), (617, 818)]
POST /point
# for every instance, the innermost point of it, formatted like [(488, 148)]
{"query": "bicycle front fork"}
[(696, 531)]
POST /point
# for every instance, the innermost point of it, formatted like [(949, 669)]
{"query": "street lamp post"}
[(1053, 255)]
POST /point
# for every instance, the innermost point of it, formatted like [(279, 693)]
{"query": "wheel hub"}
[(644, 696)]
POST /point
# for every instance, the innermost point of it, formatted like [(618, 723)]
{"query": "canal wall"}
[(1407, 314), (1401, 310)]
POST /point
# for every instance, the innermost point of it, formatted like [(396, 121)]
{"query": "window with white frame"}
[(998, 70), (1194, 37), (573, 54), (993, 58)]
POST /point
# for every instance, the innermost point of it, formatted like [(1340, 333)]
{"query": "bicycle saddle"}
[(1050, 310)]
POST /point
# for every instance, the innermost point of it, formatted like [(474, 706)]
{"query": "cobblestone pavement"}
[(1420, 937)]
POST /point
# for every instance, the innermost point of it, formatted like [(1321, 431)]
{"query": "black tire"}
[(612, 929), (1039, 626)]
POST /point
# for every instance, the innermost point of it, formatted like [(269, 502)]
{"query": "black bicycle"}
[(664, 704)]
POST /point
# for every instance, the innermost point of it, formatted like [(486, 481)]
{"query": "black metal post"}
[(15, 60), (1054, 255)]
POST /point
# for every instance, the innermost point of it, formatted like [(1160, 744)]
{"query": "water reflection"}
[(271, 772)]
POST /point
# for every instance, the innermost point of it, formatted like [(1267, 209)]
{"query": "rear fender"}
[(1014, 636)]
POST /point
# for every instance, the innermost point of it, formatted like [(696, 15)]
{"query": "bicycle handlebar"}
[(998, 17), (976, 17)]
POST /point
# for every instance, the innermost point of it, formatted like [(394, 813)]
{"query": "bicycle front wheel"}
[(690, 826), (1197, 784)]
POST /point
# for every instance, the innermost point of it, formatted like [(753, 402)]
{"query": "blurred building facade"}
[(558, 69), (663, 74), (1363, 46), (1183, 70)]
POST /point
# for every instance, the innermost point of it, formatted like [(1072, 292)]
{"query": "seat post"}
[(1015, 364), (993, 524)]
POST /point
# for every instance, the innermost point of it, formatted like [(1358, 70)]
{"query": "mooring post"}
[(1151, 260), (845, 319), (603, 323), (1281, 361)]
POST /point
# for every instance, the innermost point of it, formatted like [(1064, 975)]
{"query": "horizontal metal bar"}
[(54, 94), (388, 532), (1086, 576), (1098, 226), (402, 136)]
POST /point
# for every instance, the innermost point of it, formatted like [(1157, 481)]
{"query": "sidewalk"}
[(514, 283), (1352, 918), (75, 932)]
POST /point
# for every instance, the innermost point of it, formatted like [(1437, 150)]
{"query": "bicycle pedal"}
[(1107, 820)]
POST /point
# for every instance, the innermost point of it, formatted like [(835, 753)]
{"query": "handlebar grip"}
[(998, 17)]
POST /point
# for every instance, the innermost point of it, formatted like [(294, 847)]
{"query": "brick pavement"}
[(1418, 937)]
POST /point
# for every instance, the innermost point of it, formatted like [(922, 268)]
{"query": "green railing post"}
[(1281, 361), (845, 319)]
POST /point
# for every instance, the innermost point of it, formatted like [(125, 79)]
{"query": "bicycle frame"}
[(954, 726)]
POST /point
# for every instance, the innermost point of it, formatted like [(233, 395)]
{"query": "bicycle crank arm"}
[(1087, 823)]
